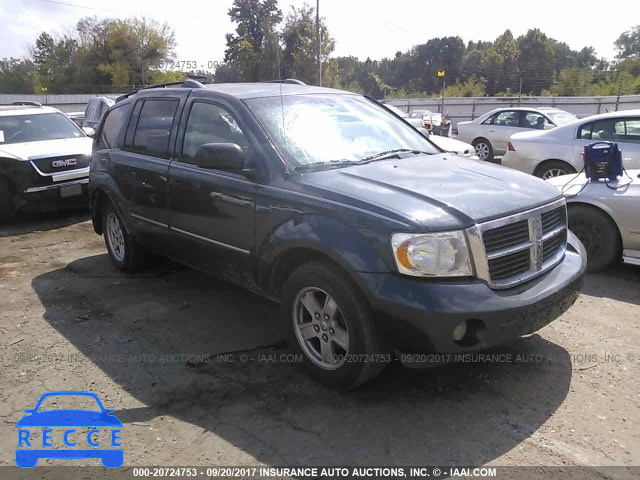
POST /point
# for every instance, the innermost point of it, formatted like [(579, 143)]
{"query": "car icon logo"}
[(102, 439)]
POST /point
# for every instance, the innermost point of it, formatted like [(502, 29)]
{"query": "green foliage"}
[(628, 44), (254, 51), (17, 76)]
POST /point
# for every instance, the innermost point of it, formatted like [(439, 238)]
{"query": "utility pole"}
[(318, 43), (444, 85), (619, 90), (520, 92)]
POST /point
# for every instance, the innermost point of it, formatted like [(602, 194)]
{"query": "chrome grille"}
[(512, 250)]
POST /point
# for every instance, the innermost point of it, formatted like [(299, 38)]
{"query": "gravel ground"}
[(154, 347)]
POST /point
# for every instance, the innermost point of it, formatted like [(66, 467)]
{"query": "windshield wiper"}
[(392, 153), (323, 165)]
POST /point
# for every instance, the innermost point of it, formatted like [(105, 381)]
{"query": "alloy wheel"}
[(320, 328)]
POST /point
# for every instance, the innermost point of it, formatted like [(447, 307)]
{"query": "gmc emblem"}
[(69, 162)]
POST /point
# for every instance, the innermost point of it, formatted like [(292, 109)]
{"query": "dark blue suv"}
[(372, 239)]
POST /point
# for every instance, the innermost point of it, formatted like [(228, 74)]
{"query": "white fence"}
[(64, 103), (468, 108)]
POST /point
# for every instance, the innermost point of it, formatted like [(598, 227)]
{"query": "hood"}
[(435, 192), (47, 148)]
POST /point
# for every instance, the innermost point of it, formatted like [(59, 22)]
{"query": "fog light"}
[(460, 331)]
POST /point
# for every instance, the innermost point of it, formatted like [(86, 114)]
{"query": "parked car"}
[(560, 151), (44, 160), (604, 216), (369, 237), (416, 121), (445, 143), (430, 120), (95, 110), (77, 118), (489, 133)]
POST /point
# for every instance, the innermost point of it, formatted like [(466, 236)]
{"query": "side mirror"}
[(548, 126), (88, 131), (220, 156)]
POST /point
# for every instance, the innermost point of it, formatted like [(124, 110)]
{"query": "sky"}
[(362, 28)]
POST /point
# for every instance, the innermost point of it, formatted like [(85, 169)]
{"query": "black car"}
[(371, 238)]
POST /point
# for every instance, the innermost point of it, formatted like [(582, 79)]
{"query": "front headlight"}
[(432, 254)]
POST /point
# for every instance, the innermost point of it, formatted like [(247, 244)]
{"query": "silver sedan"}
[(604, 216)]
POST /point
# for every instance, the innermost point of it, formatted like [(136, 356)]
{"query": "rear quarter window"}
[(153, 128), (111, 127)]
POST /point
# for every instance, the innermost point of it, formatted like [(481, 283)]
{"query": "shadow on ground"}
[(619, 282), (463, 414), (43, 222)]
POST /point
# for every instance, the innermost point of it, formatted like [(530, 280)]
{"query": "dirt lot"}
[(70, 321)]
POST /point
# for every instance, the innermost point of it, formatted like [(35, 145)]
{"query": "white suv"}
[(44, 160), (489, 133)]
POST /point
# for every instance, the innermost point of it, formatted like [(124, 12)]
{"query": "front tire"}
[(330, 323), (484, 150), (599, 235), (124, 253)]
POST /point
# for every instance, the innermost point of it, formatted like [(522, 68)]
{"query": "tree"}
[(628, 44), (501, 64), (17, 76), (535, 61), (254, 49), (300, 43), (55, 62)]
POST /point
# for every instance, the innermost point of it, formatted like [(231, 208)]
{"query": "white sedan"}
[(604, 216), (560, 151), (490, 132)]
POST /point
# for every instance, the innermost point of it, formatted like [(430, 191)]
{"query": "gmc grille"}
[(48, 165)]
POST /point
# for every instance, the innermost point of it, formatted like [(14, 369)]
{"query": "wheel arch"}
[(100, 197), (598, 206), (312, 238), (545, 162)]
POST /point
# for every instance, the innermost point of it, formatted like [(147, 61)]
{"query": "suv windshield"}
[(312, 129), (561, 118), (36, 127)]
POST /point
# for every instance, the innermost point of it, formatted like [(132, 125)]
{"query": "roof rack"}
[(293, 81), (188, 83), (26, 103)]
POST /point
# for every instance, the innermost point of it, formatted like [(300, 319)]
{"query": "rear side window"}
[(154, 127), (110, 128), (609, 129)]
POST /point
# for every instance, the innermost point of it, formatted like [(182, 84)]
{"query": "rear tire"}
[(330, 325), (484, 150), (599, 235), (124, 253), (6, 203), (554, 168)]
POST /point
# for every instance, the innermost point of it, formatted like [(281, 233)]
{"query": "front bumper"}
[(70, 194), (420, 315)]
